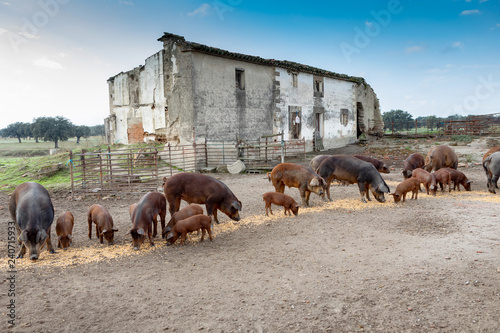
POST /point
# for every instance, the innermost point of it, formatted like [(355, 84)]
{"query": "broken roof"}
[(289, 65)]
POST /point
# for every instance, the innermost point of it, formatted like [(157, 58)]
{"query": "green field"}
[(30, 161)]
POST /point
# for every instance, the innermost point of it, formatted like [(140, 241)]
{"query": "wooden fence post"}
[(71, 171)]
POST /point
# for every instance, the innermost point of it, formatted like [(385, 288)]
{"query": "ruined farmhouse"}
[(189, 92)]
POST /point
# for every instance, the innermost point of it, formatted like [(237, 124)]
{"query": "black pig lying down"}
[(32, 210), (353, 170)]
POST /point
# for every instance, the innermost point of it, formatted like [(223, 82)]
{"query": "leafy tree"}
[(39, 126), (81, 131), (431, 122), (401, 120), (97, 130), (58, 129), (15, 130)]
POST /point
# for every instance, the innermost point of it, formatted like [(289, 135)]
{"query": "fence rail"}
[(138, 170)]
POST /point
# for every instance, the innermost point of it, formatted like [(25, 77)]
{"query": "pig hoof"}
[(136, 248), (52, 251), (34, 257), (65, 249)]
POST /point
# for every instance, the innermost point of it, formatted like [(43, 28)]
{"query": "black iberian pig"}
[(184, 213), (407, 185), (31, 209), (64, 229), (491, 166), (201, 189), (103, 223), (193, 223), (144, 218), (353, 170), (280, 199), (295, 175)]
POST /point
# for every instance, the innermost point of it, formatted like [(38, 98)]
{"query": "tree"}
[(15, 130), (81, 131), (58, 129), (97, 130), (38, 127), (401, 120), (431, 122)]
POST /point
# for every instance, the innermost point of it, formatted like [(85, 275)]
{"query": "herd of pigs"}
[(31, 208)]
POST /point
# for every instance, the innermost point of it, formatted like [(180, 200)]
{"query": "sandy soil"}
[(431, 264)]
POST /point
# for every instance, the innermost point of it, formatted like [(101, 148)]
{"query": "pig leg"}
[(202, 234), (328, 183), (209, 231), (279, 187), (268, 205), (49, 243), (163, 212), (362, 191), (99, 232), (305, 194), (154, 222), (90, 226), (183, 237), (149, 235)]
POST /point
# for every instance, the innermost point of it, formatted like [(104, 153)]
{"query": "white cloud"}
[(414, 49), (47, 63), (457, 45), (2, 31), (5, 3), (201, 11), (27, 35), (498, 25), (470, 12), (127, 3)]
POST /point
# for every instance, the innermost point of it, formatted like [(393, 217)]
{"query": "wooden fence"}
[(138, 170)]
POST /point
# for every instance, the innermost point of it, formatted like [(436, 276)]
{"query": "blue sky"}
[(436, 57)]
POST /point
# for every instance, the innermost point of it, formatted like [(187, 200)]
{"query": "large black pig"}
[(32, 210), (201, 189), (353, 170)]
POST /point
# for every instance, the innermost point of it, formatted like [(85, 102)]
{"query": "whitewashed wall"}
[(338, 94)]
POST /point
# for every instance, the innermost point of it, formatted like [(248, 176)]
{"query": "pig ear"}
[(314, 182), (23, 237), (384, 188), (70, 237), (237, 204), (104, 231), (141, 232), (114, 229), (41, 235), (59, 238)]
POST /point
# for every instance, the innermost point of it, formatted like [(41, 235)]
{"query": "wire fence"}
[(137, 170)]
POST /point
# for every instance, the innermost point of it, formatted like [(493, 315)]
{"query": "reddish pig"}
[(427, 179), (412, 162), (407, 185), (132, 209), (193, 223), (103, 223), (439, 157), (201, 189), (64, 229), (379, 165), (144, 219), (184, 213), (294, 175), (443, 178), (280, 199), (491, 151), (459, 178)]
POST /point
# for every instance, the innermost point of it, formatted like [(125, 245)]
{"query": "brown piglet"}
[(280, 199), (407, 185), (193, 223), (443, 178), (427, 179), (103, 223), (64, 229), (184, 213)]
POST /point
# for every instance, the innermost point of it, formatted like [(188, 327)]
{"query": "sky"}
[(439, 57)]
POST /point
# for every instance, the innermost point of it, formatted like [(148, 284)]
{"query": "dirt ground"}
[(431, 264)]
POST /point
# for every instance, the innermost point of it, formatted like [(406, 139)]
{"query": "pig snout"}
[(235, 217)]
